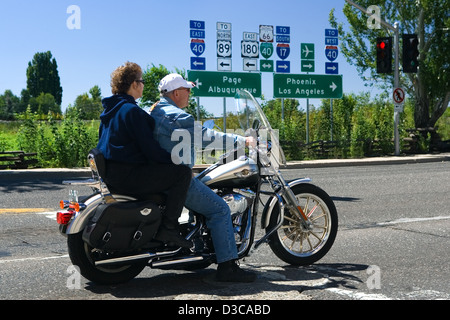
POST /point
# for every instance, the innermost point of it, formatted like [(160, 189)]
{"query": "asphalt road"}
[(393, 243)]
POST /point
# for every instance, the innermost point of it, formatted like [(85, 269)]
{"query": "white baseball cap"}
[(174, 81)]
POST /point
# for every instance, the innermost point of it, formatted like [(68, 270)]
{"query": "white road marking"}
[(51, 214), (34, 259), (408, 220), (357, 295)]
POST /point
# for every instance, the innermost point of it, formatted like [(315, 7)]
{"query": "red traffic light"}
[(384, 54)]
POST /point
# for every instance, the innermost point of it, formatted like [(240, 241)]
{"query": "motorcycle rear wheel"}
[(81, 255), (291, 242)]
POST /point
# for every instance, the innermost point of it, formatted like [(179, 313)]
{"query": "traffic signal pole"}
[(396, 85), (395, 29)]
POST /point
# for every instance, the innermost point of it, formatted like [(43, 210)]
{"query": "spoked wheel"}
[(296, 244), (83, 256)]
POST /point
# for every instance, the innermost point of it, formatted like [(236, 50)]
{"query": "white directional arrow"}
[(309, 66), (332, 68), (284, 66), (333, 86), (198, 63)]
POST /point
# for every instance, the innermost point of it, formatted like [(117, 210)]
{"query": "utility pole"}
[(395, 29)]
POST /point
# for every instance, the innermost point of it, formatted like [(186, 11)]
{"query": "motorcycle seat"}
[(157, 198)]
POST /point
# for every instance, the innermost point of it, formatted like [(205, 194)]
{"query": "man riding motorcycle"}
[(169, 117)]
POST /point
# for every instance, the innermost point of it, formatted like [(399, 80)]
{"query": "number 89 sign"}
[(223, 49)]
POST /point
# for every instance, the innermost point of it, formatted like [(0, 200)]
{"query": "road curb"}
[(388, 160)]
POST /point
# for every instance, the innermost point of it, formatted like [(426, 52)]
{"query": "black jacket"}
[(126, 133)]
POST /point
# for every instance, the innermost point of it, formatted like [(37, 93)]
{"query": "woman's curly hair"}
[(124, 76)]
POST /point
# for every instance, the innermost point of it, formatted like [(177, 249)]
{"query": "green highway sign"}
[(266, 65), (266, 49), (307, 86), (307, 51), (308, 65), (224, 84)]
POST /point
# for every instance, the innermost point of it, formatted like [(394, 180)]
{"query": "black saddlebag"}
[(123, 226)]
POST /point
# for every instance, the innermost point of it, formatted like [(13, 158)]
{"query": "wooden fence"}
[(17, 159)]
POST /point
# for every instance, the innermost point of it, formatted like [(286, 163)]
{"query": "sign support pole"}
[(396, 85), (198, 108), (307, 121), (224, 114), (331, 119)]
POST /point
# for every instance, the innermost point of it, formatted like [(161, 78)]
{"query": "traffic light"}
[(384, 55), (410, 53)]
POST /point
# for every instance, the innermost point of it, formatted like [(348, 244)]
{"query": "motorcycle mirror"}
[(209, 124)]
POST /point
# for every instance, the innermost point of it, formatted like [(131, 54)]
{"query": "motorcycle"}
[(110, 236)]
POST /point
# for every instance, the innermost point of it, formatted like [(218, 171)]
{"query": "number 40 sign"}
[(331, 52)]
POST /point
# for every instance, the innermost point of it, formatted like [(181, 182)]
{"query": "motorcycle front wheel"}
[(301, 246), (82, 255)]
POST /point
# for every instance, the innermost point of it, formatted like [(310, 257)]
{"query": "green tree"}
[(88, 107), (9, 104), (293, 126), (42, 76), (342, 116), (152, 76), (430, 87), (43, 104)]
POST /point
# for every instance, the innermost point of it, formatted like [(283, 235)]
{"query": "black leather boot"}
[(229, 271)]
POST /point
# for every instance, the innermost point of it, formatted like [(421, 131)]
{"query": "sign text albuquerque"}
[(224, 84)]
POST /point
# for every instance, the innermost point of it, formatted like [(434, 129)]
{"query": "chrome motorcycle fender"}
[(82, 218), (268, 208)]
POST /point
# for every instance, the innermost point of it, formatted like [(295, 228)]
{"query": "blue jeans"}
[(203, 200)]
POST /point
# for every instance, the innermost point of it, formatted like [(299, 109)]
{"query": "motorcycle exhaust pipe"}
[(166, 263), (149, 256), (125, 260)]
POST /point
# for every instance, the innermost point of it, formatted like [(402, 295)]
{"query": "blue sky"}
[(152, 32)]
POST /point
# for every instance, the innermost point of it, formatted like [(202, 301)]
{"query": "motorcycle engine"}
[(239, 203), (236, 202)]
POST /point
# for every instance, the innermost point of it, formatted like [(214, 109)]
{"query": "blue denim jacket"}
[(179, 134)]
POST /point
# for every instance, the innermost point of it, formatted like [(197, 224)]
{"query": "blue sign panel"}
[(331, 33), (331, 52), (198, 34), (283, 50), (197, 47), (195, 24), (283, 30), (198, 63), (282, 38), (283, 66), (329, 41), (331, 68)]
